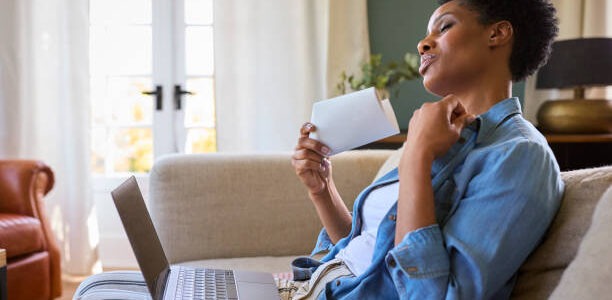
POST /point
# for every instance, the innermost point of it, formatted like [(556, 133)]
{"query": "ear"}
[(500, 33)]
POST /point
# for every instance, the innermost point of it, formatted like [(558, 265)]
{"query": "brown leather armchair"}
[(33, 256)]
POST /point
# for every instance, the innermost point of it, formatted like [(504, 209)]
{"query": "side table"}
[(3, 295), (578, 151), (572, 151)]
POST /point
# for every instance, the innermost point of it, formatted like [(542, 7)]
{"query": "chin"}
[(434, 86)]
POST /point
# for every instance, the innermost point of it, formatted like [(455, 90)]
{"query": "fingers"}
[(460, 115), (306, 129), (454, 104), (462, 121), (313, 145), (469, 119), (304, 165), (458, 112), (449, 110), (453, 107), (305, 159), (305, 142), (306, 154), (310, 154)]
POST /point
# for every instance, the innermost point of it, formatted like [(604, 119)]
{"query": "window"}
[(152, 82)]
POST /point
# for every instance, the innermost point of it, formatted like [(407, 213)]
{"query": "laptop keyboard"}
[(206, 284)]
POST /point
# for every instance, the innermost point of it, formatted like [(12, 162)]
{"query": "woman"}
[(476, 186)]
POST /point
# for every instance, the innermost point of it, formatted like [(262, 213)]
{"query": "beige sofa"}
[(250, 212)]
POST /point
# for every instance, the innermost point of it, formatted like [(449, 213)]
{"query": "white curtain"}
[(44, 112), (577, 18), (274, 58)]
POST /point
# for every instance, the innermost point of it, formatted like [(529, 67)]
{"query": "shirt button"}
[(392, 217), (392, 262), (337, 282)]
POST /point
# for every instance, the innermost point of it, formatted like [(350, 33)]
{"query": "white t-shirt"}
[(357, 255)]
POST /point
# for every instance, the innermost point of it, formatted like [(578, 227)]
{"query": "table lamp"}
[(577, 64)]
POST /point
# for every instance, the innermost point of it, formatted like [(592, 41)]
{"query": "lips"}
[(426, 61)]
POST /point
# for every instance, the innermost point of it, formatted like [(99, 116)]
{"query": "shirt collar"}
[(495, 116)]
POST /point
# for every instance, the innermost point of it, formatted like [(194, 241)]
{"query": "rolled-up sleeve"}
[(324, 243), (421, 254)]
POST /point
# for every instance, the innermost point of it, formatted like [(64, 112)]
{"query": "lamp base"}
[(576, 116)]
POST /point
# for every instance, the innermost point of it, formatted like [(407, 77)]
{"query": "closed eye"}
[(445, 27)]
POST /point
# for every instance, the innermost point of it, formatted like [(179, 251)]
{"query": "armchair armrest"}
[(23, 183), (3, 294)]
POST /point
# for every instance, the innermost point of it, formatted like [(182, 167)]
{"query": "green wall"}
[(396, 26)]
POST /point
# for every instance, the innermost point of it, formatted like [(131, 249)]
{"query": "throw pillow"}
[(391, 163), (588, 276), (541, 273)]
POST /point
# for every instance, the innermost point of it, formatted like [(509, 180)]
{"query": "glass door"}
[(152, 93), (195, 69), (152, 82), (121, 65)]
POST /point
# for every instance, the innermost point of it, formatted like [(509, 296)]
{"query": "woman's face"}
[(454, 52)]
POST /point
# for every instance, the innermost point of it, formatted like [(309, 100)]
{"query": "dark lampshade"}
[(578, 62)]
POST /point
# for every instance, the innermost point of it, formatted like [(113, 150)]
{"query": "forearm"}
[(415, 208), (332, 212)]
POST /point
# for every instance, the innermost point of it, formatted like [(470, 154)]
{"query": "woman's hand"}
[(310, 161), (435, 127), (315, 171)]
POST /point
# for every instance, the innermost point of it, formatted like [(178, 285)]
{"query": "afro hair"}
[(535, 27)]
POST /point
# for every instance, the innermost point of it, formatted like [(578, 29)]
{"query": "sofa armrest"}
[(244, 205)]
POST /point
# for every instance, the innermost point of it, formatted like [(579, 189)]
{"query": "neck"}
[(485, 94)]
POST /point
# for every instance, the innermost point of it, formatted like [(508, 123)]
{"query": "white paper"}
[(352, 120)]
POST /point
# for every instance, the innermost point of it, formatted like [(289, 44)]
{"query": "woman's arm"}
[(332, 212), (415, 207), (432, 130), (315, 171)]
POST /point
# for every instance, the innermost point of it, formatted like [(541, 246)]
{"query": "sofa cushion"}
[(266, 209), (542, 271), (391, 163), (588, 276), (20, 235)]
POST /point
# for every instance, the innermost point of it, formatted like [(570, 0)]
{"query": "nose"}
[(425, 45)]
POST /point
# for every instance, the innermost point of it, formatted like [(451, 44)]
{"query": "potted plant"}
[(384, 77)]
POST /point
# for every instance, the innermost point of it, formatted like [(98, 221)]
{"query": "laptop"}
[(180, 282)]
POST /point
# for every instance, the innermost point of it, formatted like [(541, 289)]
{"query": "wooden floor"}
[(69, 287)]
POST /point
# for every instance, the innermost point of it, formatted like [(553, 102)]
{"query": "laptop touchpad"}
[(257, 291)]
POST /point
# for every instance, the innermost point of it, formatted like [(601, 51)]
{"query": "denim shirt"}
[(496, 192)]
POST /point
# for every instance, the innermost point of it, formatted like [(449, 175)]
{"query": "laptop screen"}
[(142, 235)]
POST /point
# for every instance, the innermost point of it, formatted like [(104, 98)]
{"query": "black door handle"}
[(178, 95), (158, 93)]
